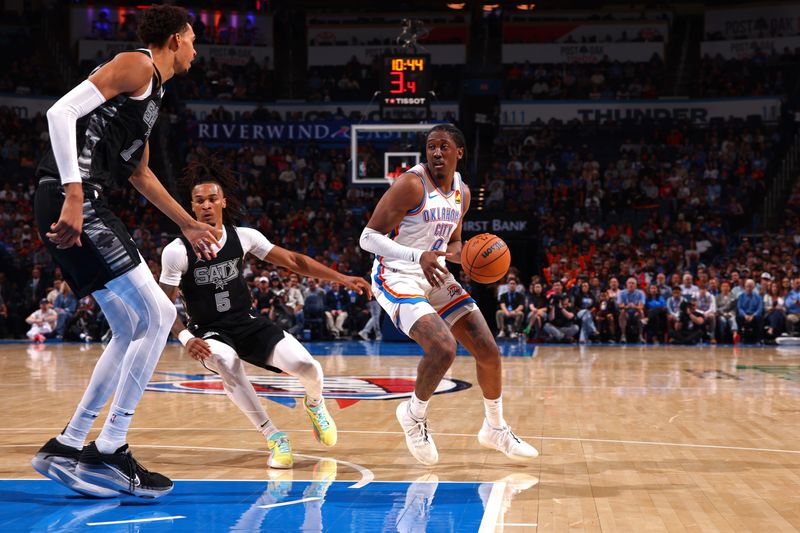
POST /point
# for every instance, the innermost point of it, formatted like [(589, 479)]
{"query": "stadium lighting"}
[(526, 7), (490, 7), (456, 6)]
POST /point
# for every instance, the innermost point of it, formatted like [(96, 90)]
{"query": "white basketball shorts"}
[(407, 297)]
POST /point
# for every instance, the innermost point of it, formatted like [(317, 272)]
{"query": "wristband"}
[(185, 336)]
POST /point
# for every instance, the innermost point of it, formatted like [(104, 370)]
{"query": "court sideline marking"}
[(136, 520), (371, 432), (493, 507), (292, 502)]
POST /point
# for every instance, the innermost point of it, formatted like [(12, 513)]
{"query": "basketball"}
[(485, 258)]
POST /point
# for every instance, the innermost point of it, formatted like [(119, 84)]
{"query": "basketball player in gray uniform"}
[(121, 101)]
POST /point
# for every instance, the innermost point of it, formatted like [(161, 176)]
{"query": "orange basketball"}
[(485, 258)]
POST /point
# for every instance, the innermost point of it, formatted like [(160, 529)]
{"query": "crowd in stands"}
[(765, 73), (650, 306), (210, 80), (606, 79), (644, 203)]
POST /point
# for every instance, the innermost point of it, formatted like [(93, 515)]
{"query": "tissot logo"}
[(345, 390), (219, 274)]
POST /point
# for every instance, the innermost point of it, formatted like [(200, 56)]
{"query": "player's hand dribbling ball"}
[(485, 258)]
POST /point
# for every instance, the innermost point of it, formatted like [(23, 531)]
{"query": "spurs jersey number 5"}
[(429, 225)]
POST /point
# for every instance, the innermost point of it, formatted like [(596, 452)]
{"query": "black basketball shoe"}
[(120, 471), (58, 462)]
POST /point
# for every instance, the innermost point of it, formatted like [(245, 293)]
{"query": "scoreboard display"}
[(406, 81)]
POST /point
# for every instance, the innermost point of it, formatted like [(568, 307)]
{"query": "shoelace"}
[(282, 443), (419, 432), (319, 416), (132, 470), (507, 438)]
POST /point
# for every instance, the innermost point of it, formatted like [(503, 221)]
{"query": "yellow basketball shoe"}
[(321, 420), (280, 451)]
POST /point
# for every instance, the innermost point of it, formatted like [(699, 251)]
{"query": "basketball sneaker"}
[(504, 440), (322, 422), (121, 472), (280, 451), (323, 475), (418, 439), (58, 462)]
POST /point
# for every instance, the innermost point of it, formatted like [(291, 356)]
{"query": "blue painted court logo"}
[(345, 390)]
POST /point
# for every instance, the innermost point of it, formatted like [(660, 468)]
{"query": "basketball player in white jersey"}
[(414, 228), (223, 329), (121, 101)]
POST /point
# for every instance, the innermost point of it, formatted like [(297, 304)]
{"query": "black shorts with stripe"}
[(107, 250), (252, 336)]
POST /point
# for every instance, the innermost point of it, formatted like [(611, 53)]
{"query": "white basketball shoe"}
[(418, 439), (504, 440)]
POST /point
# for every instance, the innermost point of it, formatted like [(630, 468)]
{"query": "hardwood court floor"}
[(631, 439)]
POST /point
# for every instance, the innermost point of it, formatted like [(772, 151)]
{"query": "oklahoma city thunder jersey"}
[(429, 225)]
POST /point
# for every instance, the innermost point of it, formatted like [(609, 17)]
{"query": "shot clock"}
[(406, 81)]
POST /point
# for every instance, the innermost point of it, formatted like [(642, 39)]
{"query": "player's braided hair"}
[(210, 169), (458, 137), (159, 22)]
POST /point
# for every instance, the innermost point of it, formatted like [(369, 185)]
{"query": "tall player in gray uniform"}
[(97, 255)]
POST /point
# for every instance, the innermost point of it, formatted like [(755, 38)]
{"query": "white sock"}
[(115, 430), (75, 433), (417, 408), (268, 429), (494, 412)]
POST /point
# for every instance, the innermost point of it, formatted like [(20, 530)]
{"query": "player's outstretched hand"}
[(66, 232), (202, 237), (434, 272), (359, 285), (198, 349)]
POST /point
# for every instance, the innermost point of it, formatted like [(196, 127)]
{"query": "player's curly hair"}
[(210, 169), (456, 134), (159, 22)]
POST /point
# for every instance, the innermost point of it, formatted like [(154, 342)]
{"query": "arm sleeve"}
[(254, 242), (61, 119), (375, 242), (174, 263)]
